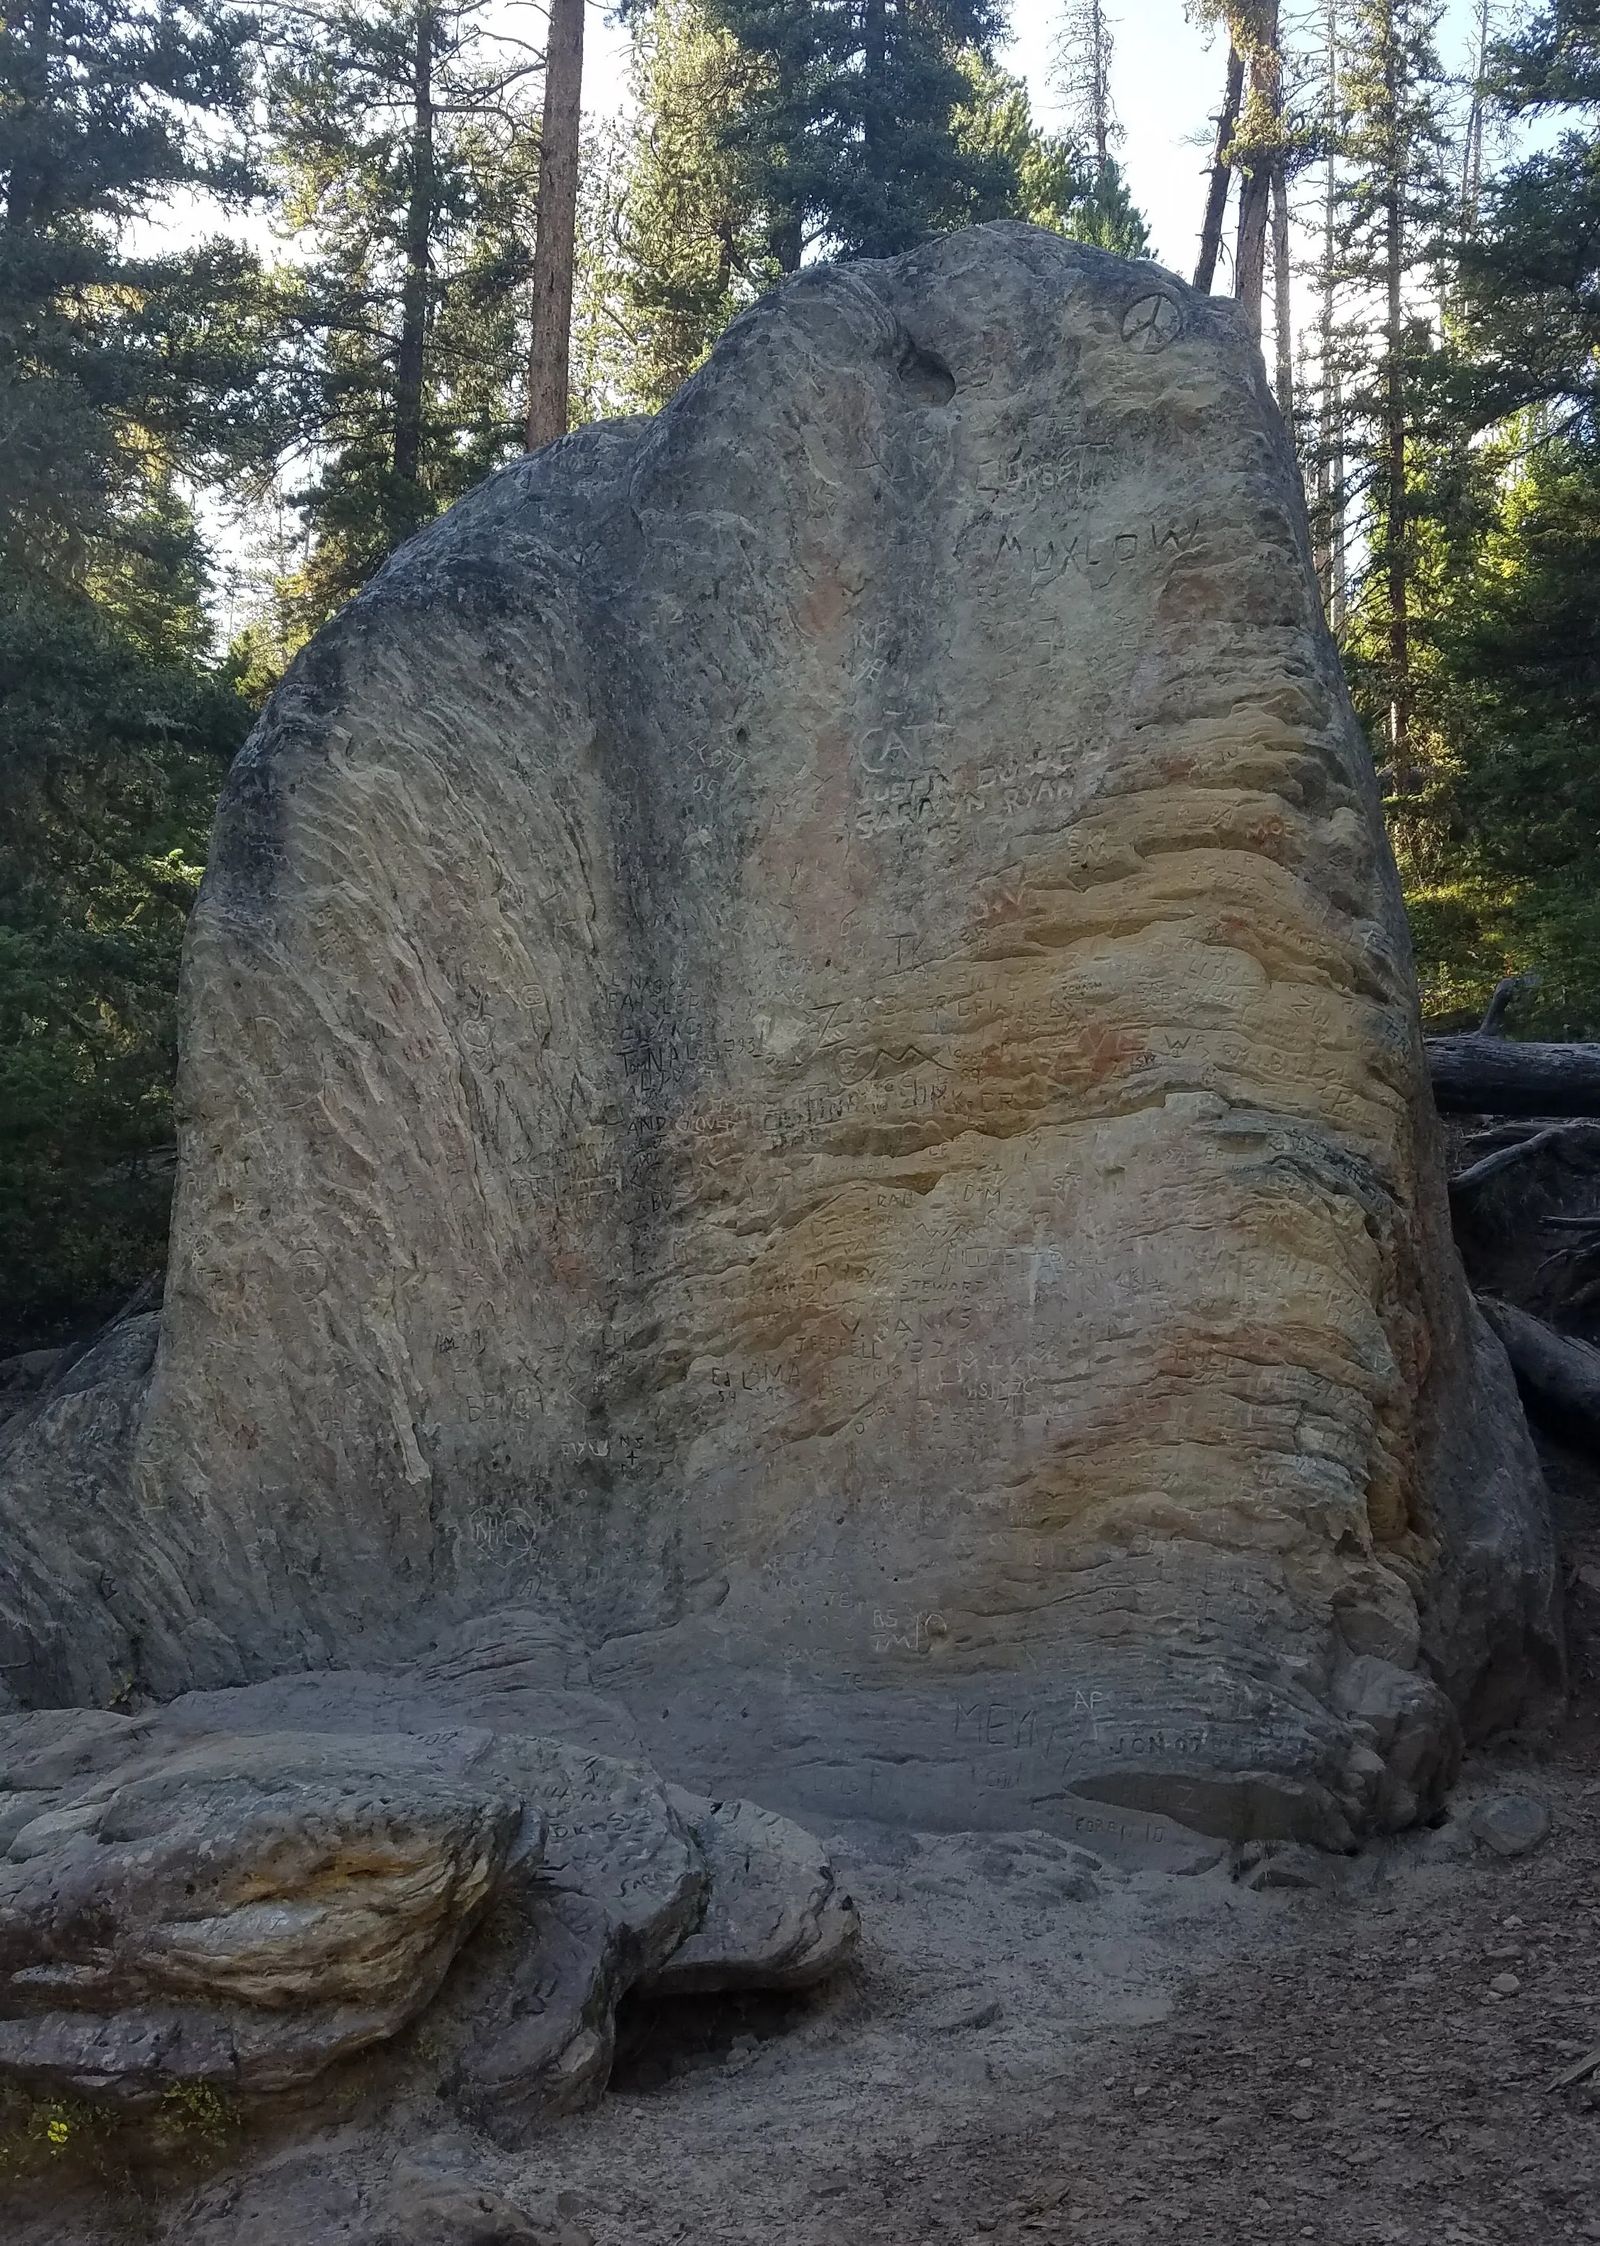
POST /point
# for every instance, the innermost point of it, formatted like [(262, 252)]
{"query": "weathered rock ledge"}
[(246, 1888)]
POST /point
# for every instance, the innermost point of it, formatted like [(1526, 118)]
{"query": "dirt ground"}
[(1034, 2046), (1336, 2065)]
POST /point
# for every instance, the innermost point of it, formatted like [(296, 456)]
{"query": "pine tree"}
[(124, 376), (1396, 214), (679, 225), (1513, 624), (852, 143), (674, 241), (109, 360), (1085, 44), (1057, 184), (1106, 216), (406, 154), (1472, 150), (1528, 265), (1103, 212)]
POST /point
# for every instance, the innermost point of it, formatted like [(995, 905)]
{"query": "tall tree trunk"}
[(1255, 193), (1100, 66), (30, 20), (555, 243), (1472, 152), (408, 384), (874, 61), (1250, 253), (1339, 539), (1205, 272), (1396, 526), (1282, 306), (1330, 507)]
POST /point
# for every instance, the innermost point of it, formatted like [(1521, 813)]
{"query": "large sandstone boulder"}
[(800, 1030)]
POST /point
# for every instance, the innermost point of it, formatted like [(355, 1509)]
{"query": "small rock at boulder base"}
[(1287, 1864), (774, 1919), (800, 1029), (1510, 1824)]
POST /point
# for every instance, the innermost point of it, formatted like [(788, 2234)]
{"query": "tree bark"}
[(1504, 995), (409, 360), (1205, 272), (555, 242), (788, 242), (1396, 527), (1255, 193), (1250, 255), (1282, 280), (1478, 1075), (1484, 1072)]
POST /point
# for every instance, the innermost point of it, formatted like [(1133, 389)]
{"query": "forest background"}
[(280, 282)]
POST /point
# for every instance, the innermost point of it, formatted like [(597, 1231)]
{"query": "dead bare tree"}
[(1205, 272)]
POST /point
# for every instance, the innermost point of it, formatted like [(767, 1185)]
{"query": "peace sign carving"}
[(1151, 323)]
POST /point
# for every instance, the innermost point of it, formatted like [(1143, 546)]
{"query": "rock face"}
[(800, 1030)]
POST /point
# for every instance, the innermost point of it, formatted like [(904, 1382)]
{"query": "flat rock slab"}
[(249, 1885), (303, 2200)]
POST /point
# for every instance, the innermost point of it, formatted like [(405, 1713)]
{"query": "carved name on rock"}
[(800, 1028)]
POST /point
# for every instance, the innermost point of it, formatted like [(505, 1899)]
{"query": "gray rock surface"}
[(775, 1918), (305, 2200), (800, 1035), (69, 1553)]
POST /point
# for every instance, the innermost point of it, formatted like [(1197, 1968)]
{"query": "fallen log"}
[(1559, 1376), (1484, 1072), (1478, 1075)]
